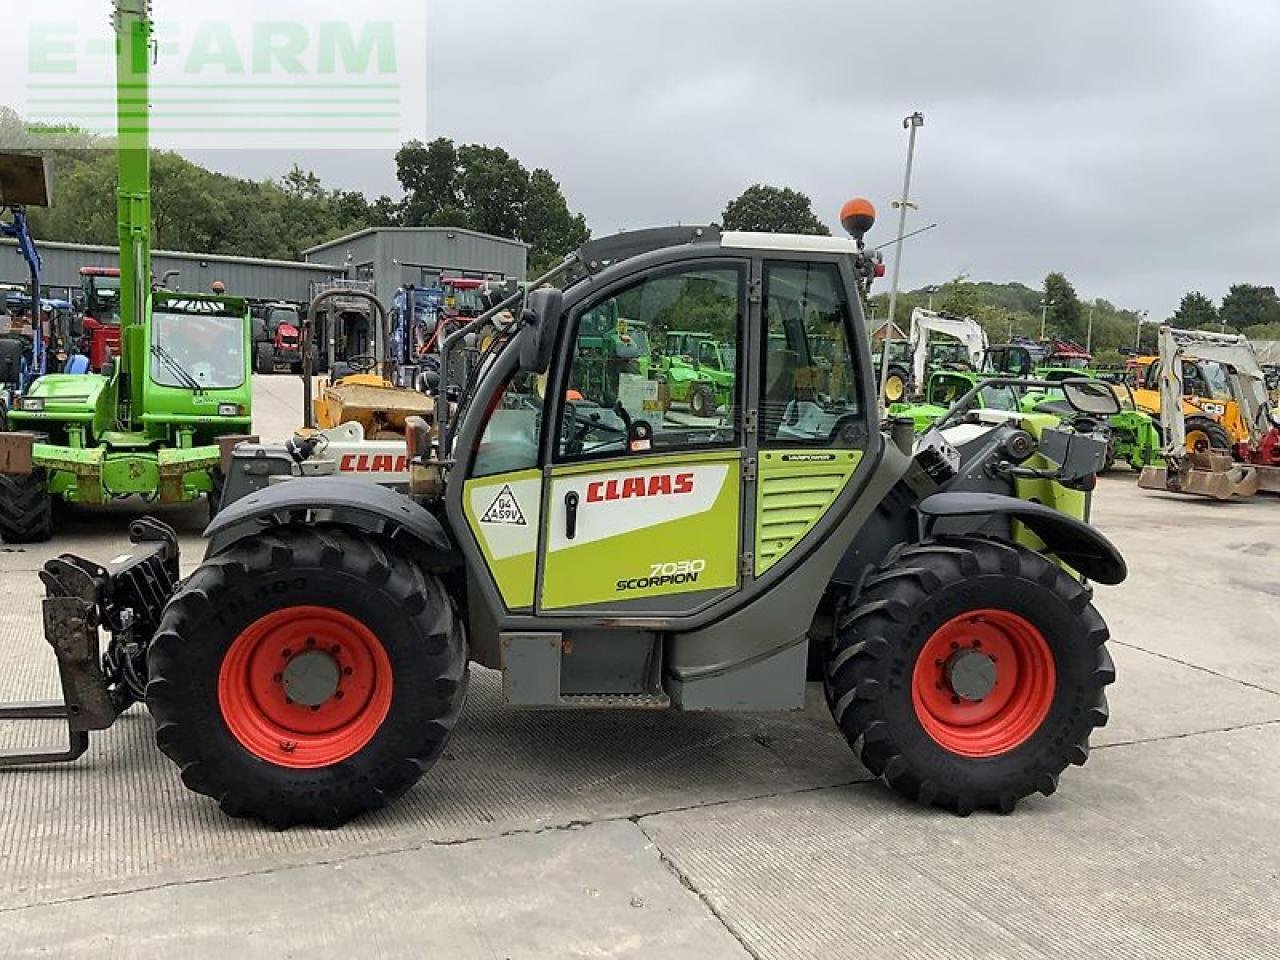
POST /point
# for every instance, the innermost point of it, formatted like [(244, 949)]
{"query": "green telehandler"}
[(315, 664), (699, 371), (154, 422)]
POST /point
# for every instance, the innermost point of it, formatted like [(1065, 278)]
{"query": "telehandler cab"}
[(607, 555)]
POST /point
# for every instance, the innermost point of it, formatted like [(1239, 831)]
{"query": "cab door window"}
[(810, 393), (654, 367)]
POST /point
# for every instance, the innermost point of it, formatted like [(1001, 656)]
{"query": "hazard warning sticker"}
[(505, 510)]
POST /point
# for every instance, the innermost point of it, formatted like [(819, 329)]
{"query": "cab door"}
[(643, 497)]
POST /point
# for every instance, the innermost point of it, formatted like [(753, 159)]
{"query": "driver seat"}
[(779, 389)]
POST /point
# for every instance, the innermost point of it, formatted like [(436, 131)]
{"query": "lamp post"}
[(912, 124), (1142, 318), (932, 291), (1088, 343), (1045, 304)]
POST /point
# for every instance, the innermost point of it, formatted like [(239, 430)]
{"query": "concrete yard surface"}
[(591, 835)]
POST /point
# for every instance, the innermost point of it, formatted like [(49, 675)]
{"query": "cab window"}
[(654, 366), (810, 392), (513, 428)]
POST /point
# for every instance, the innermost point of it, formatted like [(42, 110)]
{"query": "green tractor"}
[(314, 665), (150, 424), (699, 370), (945, 388)]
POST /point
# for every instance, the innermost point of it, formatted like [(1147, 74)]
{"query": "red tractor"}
[(100, 296), (277, 344)]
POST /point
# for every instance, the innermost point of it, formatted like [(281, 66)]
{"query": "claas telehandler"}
[(602, 553)]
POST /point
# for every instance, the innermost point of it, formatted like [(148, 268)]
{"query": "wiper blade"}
[(177, 369)]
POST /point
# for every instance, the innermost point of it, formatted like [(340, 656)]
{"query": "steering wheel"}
[(587, 423), (362, 362)]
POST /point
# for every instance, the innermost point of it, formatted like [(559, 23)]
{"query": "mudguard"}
[(337, 501), (1077, 544)]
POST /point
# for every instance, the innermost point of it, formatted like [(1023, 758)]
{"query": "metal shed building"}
[(391, 257), (244, 276)]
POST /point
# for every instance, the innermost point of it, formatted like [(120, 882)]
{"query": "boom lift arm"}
[(967, 331)]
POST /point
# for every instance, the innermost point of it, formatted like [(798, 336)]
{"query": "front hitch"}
[(125, 598)]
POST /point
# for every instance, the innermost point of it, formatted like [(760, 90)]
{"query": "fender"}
[(336, 501), (1077, 544)]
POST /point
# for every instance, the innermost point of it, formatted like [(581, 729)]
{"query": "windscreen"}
[(197, 351)]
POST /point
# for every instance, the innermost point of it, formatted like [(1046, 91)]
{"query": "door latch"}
[(571, 514)]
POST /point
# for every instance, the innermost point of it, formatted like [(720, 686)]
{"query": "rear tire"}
[(1204, 435), (398, 653), (264, 359), (26, 508), (702, 402), (891, 676)]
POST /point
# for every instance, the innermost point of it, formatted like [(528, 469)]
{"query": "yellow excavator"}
[(1210, 411), (1241, 468)]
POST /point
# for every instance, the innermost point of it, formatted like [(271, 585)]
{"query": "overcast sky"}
[(1131, 144)]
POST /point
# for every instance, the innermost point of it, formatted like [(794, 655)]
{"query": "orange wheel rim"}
[(305, 687), (983, 683)]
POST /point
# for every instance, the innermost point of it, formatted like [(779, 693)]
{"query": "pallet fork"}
[(124, 598)]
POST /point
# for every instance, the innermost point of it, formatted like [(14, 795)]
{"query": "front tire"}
[(1204, 435), (895, 386), (306, 676), (26, 508), (970, 673)]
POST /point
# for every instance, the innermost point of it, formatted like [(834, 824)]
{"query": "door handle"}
[(571, 514)]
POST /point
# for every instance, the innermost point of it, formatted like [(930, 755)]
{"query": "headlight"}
[(33, 404), (228, 409)]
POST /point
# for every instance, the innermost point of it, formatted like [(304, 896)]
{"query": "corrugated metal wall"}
[(393, 253), (256, 279), (389, 257)]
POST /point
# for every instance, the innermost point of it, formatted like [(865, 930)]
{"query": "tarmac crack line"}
[(687, 882), (575, 824), (1254, 725), (395, 850), (1196, 666)]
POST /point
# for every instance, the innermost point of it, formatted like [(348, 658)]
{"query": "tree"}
[(773, 210), (484, 188), (1246, 305), (1065, 315), (1196, 312), (549, 228), (494, 187), (429, 175), (960, 297)]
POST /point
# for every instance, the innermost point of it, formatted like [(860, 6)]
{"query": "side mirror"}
[(542, 320), (1091, 397)]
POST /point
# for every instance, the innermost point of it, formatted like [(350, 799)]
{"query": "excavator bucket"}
[(1212, 474)]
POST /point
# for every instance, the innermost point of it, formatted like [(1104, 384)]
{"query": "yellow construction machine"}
[(1243, 467)]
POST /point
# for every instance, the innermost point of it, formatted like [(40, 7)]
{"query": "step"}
[(616, 701)]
